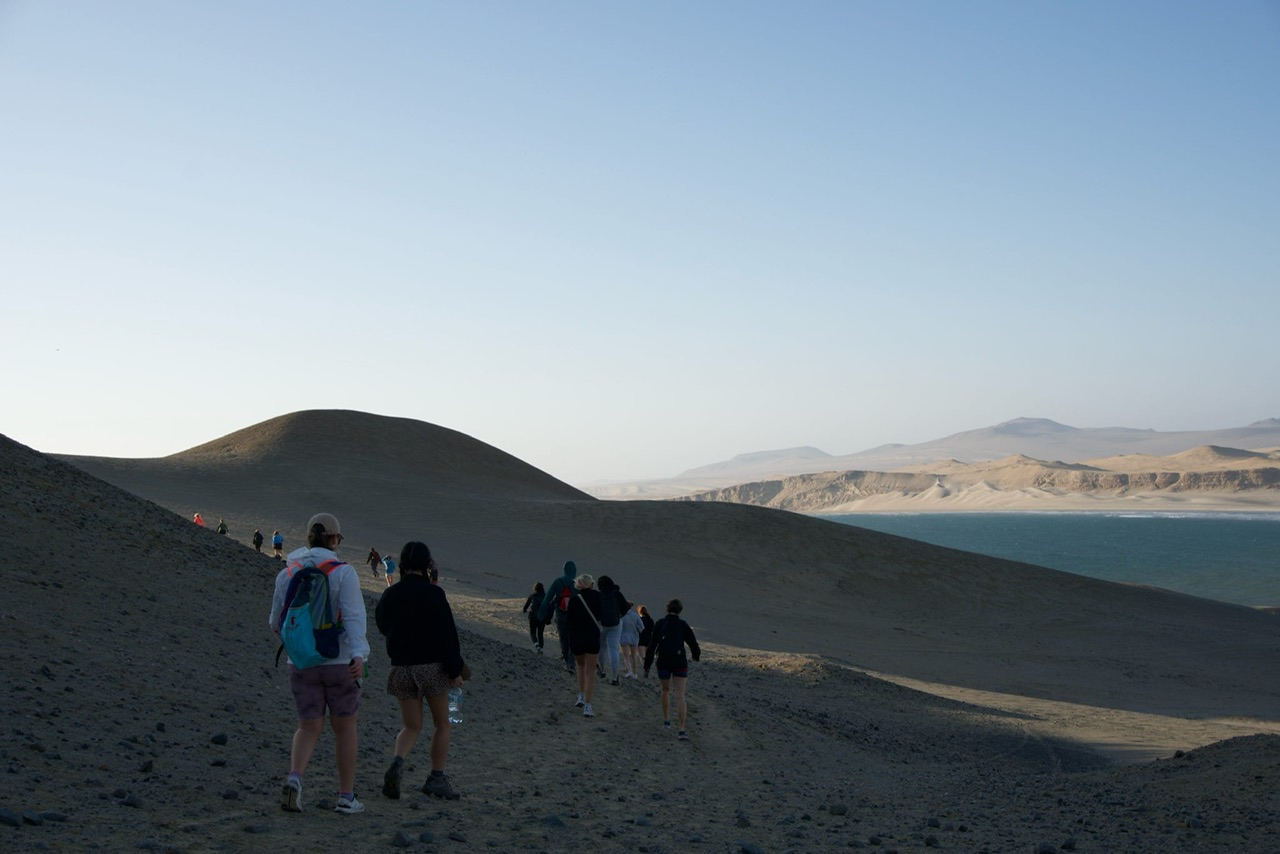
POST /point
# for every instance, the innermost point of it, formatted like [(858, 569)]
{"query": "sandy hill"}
[(1034, 438), (1203, 478), (1005, 682)]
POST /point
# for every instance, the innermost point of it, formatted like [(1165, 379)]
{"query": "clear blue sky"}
[(622, 240)]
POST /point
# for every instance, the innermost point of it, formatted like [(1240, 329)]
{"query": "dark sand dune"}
[(116, 686)]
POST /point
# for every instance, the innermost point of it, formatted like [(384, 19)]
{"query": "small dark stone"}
[(160, 727), (145, 767), (53, 816), (32, 817), (748, 848), (131, 801), (219, 738), (933, 822), (642, 821), (553, 821), (743, 821), (219, 763), (257, 828), (931, 841), (1069, 844), (1046, 848), (457, 837), (119, 793), (838, 809), (426, 836), (401, 839), (9, 818), (231, 795)]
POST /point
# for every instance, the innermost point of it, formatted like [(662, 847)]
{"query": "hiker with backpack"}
[(318, 611), (612, 606), (532, 605), (277, 545), (389, 569), (584, 638), (426, 662), (670, 635), (556, 602)]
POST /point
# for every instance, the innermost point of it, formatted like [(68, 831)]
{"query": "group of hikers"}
[(388, 566), (318, 610), (277, 540), (593, 618)]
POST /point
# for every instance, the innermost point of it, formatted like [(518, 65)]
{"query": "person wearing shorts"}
[(332, 687), (426, 663), (389, 569), (277, 545), (583, 619), (670, 635)]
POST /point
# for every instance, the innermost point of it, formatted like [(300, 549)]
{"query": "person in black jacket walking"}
[(670, 635), (426, 662), (532, 605)]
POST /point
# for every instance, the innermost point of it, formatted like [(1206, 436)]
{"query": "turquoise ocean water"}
[(1231, 557)]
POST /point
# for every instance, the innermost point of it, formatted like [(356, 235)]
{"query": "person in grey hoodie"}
[(551, 604)]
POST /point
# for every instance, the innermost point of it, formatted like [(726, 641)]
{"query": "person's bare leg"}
[(678, 684), (580, 673), (346, 740), (411, 717), (304, 744), (590, 661), (439, 705), (666, 699)]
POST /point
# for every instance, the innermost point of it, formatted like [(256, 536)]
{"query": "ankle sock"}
[(351, 796), (435, 773)]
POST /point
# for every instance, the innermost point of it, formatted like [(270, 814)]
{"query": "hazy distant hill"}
[(1249, 479), (1037, 438)]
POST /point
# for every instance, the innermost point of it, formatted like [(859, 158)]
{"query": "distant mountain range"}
[(1037, 438)]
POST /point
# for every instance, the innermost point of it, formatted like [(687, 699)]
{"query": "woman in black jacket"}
[(426, 662), (584, 638)]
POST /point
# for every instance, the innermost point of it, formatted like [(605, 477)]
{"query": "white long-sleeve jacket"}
[(344, 597)]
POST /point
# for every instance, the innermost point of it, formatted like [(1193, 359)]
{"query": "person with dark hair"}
[(335, 687), (374, 560), (533, 604), (584, 638), (426, 662), (612, 606), (557, 602), (257, 539), (389, 569), (670, 635)]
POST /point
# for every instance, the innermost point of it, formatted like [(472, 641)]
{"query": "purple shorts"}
[(326, 685)]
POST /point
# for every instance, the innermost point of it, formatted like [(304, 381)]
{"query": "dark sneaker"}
[(666, 724), (438, 785), (391, 780), (682, 735), (614, 681), (291, 795)]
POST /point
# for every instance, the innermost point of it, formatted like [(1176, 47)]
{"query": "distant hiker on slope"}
[(374, 560), (257, 539), (321, 686), (532, 605)]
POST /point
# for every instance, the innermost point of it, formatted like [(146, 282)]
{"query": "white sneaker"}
[(587, 711), (582, 699), (291, 795), (349, 806)]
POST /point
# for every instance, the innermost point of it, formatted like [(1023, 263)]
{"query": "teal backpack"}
[(309, 632)]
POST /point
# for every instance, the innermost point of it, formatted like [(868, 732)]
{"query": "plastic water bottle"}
[(455, 706)]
